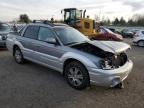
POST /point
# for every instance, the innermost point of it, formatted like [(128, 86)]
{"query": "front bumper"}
[(110, 78), (3, 43)]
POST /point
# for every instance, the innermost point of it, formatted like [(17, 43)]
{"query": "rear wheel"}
[(18, 56), (141, 43), (77, 75)]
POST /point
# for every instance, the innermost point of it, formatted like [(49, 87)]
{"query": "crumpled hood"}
[(111, 46)]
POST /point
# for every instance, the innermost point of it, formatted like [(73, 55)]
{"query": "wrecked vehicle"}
[(80, 60)]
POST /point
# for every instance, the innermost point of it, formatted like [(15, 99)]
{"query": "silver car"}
[(80, 60), (4, 30)]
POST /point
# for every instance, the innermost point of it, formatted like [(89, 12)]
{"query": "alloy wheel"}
[(18, 56), (75, 76)]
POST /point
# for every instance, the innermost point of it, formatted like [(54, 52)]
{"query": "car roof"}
[(49, 24), (60, 24)]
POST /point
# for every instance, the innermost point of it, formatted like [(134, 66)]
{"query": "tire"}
[(140, 43), (120, 86), (18, 55), (77, 75)]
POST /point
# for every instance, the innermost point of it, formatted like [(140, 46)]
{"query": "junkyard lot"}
[(34, 86)]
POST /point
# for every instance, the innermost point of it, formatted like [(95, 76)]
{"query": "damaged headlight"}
[(106, 64)]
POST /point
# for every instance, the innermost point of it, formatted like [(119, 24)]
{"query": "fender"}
[(84, 60)]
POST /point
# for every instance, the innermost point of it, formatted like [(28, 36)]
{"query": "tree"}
[(130, 22), (135, 20), (122, 21), (105, 21), (108, 22), (116, 21), (24, 18), (138, 20)]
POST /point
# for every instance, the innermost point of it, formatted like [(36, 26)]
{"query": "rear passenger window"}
[(142, 32), (45, 34), (31, 32)]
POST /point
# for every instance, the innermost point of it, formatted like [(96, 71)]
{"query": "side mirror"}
[(52, 41)]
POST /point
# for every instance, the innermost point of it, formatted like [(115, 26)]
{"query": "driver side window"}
[(45, 34)]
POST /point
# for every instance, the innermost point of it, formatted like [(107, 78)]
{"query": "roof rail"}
[(43, 22)]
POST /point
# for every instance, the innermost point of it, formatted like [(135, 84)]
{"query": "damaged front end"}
[(109, 60), (114, 61)]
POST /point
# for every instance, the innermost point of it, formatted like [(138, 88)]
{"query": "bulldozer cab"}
[(72, 15), (76, 18)]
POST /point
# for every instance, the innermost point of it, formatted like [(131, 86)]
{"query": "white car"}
[(139, 38)]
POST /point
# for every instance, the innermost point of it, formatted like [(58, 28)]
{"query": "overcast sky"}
[(45, 9)]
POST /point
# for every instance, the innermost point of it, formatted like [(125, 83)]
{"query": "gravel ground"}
[(34, 86)]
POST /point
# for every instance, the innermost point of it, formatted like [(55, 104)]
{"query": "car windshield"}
[(4, 28), (109, 31), (70, 36)]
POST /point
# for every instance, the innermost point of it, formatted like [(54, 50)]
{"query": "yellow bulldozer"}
[(76, 18)]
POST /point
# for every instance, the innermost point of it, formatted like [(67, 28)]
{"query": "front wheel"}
[(141, 43), (77, 75), (18, 56)]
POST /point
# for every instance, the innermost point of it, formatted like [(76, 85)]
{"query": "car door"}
[(48, 53), (28, 41)]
